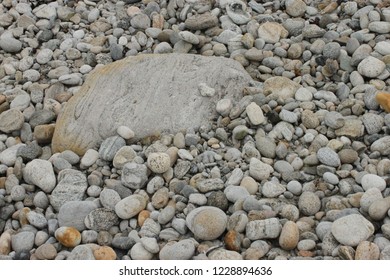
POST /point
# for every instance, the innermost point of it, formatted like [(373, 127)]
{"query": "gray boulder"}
[(150, 94)]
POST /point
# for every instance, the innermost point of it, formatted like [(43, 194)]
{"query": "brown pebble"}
[(367, 251), (5, 242), (68, 236), (46, 252), (346, 253), (23, 216), (104, 253), (289, 236), (2, 99), (142, 216), (2, 182), (233, 240), (44, 133), (63, 96), (306, 254)]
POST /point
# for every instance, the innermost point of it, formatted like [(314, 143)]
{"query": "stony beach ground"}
[(298, 168)]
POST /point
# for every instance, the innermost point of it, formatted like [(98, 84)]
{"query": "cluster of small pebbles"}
[(297, 169)]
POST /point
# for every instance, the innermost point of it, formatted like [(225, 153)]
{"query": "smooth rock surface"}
[(78, 129)]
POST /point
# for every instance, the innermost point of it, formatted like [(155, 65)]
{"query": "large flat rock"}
[(150, 94)]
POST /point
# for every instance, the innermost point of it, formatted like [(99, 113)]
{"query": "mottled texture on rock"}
[(126, 91)]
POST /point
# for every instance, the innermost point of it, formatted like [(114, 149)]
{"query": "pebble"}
[(11, 120), (379, 208), (22, 241), (71, 186), (68, 236), (352, 229), (159, 162), (130, 206), (222, 254), (181, 250), (81, 252), (40, 173), (110, 147), (371, 67), (367, 251), (101, 219), (309, 203), (369, 181), (89, 158), (328, 157), (255, 114), (259, 170), (206, 222), (105, 253), (272, 189), (368, 197), (46, 252), (73, 214), (289, 236), (134, 175), (263, 229)]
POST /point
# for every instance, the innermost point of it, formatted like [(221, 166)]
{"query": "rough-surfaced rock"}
[(148, 93)]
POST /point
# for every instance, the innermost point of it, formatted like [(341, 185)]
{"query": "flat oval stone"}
[(149, 93), (352, 229), (182, 250)]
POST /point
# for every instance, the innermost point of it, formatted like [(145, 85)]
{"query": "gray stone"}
[(40, 173), (71, 186), (382, 145), (235, 193), (81, 252), (140, 21), (263, 229), (110, 147), (73, 213), (134, 175), (11, 120), (272, 189), (101, 219), (139, 252), (371, 67), (78, 130), (352, 229), (206, 222), (207, 185), (309, 203), (22, 241), (36, 219), (295, 8), (369, 181), (328, 157), (130, 206), (259, 170), (9, 44), (201, 21), (182, 250), (109, 198)]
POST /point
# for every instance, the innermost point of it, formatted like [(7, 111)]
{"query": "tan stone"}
[(367, 251), (104, 253), (44, 133), (5, 242), (46, 252), (68, 236), (142, 216), (289, 236)]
